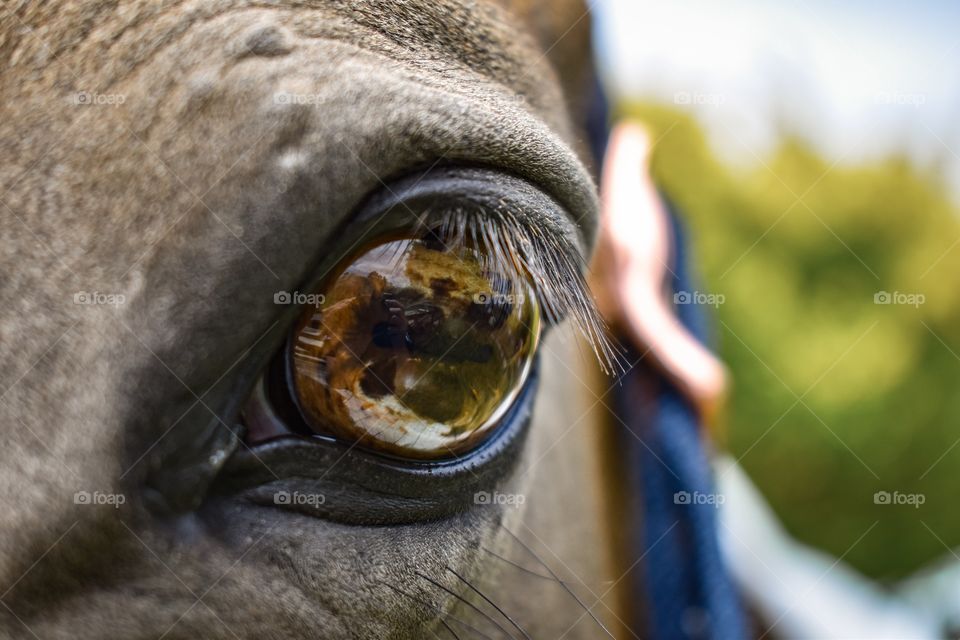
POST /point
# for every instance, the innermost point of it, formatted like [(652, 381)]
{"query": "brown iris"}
[(416, 350)]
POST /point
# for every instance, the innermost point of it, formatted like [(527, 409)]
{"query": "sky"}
[(859, 79)]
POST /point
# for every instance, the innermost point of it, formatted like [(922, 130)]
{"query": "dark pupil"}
[(409, 327), (413, 323)]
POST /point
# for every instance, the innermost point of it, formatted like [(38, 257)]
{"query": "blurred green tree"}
[(839, 391)]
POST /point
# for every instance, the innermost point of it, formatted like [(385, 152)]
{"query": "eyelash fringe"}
[(526, 254)]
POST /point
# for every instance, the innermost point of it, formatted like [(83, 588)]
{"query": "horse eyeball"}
[(414, 349)]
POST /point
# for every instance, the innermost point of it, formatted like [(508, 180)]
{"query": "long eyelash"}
[(524, 253)]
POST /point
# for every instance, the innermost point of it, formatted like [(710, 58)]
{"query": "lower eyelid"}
[(372, 489)]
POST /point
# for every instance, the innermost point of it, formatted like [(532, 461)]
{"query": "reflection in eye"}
[(417, 350)]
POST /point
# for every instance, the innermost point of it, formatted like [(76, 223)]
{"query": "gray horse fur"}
[(152, 150)]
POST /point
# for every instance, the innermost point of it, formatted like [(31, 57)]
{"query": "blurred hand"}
[(631, 269)]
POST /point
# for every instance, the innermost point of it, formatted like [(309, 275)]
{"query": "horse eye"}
[(413, 349)]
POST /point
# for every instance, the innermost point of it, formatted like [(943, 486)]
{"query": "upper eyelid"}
[(485, 190), (529, 232)]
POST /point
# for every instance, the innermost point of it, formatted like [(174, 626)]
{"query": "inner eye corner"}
[(416, 348)]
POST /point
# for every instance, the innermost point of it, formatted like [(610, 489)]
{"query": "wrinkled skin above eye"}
[(416, 350), (143, 399)]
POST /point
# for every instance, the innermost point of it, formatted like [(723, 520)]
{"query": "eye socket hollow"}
[(413, 348)]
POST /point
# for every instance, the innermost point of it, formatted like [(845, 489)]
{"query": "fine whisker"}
[(451, 631), (467, 602), (443, 614), (560, 582), (491, 602), (535, 574)]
